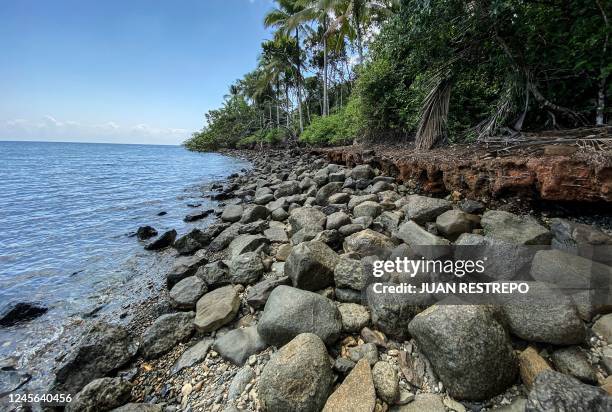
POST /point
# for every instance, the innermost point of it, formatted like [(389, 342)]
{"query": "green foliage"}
[(336, 129), (271, 137)]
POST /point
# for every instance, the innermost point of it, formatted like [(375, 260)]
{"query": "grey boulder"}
[(237, 345), (101, 394), (185, 294), (165, 333), (522, 230), (216, 309), (310, 265), (246, 268)]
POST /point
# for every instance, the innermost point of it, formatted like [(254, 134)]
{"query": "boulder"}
[(522, 230), (310, 265), (104, 348), (381, 186), (192, 242), (572, 361), (258, 294), (165, 333), (214, 274), (288, 188), (362, 172), (554, 391), (297, 378), (354, 317), (324, 193), (357, 200), (367, 351), (237, 345), (349, 273), (146, 232), (216, 309), (544, 315), (139, 407), (452, 223), (101, 394), (305, 235), (386, 381), (423, 402), (568, 271), (468, 348), (232, 213), (246, 268), (422, 209), (279, 215), (348, 230), (471, 206), (192, 356), (186, 293), (368, 243), (389, 221), (583, 240), (306, 217), (239, 383), (246, 243), (603, 327), (165, 240), (276, 235), (368, 208), (223, 239), (422, 242), (531, 364), (197, 215), (21, 312), (356, 393), (339, 198), (336, 220), (253, 213), (290, 311)]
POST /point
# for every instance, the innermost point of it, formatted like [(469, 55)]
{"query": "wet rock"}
[(354, 317), (324, 193), (531, 364), (101, 395), (522, 230), (192, 242), (216, 309), (165, 240), (441, 332), (279, 215), (297, 378), (544, 316), (355, 394), (386, 382), (362, 172), (146, 232), (237, 345), (223, 239), (554, 391), (310, 265), (422, 242), (290, 311), (186, 293), (21, 312), (246, 268), (246, 243), (232, 213), (11, 380), (368, 208), (184, 267), (368, 243), (103, 349), (349, 273), (348, 230), (165, 333), (572, 361), (422, 209), (240, 382), (423, 402), (257, 296), (253, 213), (306, 217), (214, 274), (192, 356), (197, 215)]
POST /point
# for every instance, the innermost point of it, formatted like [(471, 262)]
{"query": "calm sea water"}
[(67, 211)]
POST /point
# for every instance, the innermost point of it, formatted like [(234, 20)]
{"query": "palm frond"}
[(434, 115)]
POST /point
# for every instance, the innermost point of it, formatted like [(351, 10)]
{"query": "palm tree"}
[(281, 18)]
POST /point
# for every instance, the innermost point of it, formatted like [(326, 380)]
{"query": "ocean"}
[(68, 213)]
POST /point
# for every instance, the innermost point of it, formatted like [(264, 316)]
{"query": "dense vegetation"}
[(434, 70)]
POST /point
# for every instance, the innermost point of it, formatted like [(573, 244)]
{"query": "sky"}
[(121, 71)]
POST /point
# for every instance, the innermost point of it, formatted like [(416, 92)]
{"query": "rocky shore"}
[(271, 308)]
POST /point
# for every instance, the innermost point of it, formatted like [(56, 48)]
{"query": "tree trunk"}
[(601, 92), (325, 97), (357, 18), (288, 102), (299, 79), (277, 104)]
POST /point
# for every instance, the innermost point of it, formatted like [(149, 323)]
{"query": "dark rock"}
[(323, 194), (362, 172), (257, 296), (192, 356), (186, 293), (246, 243), (103, 349), (101, 395), (21, 312), (422, 209), (192, 242), (367, 351), (297, 378), (232, 213), (184, 267), (422, 242), (471, 206), (554, 391), (310, 265), (146, 232), (165, 240), (214, 274), (197, 215), (239, 383), (349, 273), (253, 213), (468, 348), (522, 230), (348, 230), (139, 407), (306, 217), (165, 333), (368, 243), (572, 361), (237, 345), (246, 268), (343, 365), (290, 311)]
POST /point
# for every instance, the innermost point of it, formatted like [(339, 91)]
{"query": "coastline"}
[(213, 382)]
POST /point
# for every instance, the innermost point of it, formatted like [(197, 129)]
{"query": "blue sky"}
[(128, 71)]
